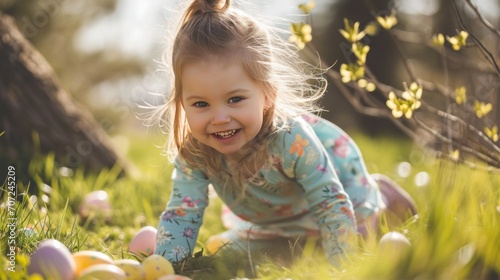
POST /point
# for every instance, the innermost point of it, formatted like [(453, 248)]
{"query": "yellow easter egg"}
[(157, 266), (215, 243), (132, 268), (102, 271), (84, 259)]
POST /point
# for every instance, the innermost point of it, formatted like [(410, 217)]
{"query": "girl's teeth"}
[(226, 134)]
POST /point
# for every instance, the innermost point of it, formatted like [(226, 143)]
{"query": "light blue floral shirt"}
[(315, 182)]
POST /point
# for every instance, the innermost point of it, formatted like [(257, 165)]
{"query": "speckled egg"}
[(143, 242), (52, 260), (96, 203), (102, 272), (174, 277), (84, 259), (132, 268), (157, 266)]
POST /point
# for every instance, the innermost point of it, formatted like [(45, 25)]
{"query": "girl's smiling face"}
[(224, 106)]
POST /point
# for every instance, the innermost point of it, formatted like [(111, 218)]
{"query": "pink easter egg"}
[(144, 241), (96, 203)]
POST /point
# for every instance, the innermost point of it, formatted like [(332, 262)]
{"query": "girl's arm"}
[(350, 168), (308, 161), (181, 220)]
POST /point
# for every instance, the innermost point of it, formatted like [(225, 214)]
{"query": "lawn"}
[(455, 236)]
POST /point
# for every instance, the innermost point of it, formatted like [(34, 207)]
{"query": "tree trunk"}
[(37, 115)]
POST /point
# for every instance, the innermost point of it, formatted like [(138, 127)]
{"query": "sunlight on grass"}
[(455, 236)]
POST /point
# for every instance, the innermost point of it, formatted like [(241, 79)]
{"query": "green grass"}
[(456, 235)]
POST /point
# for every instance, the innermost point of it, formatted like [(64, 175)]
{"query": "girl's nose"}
[(220, 116)]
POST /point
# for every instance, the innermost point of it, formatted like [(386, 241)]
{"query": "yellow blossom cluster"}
[(409, 102), (480, 108), (354, 35), (301, 31), (457, 42)]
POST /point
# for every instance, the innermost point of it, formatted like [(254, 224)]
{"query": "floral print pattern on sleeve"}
[(326, 196), (347, 160), (181, 220)]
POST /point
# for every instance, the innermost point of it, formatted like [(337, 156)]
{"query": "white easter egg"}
[(102, 272), (143, 242), (157, 266), (52, 260), (132, 268), (85, 259), (394, 244)]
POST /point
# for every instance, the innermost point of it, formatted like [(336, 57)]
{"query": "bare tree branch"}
[(485, 22), (487, 54)]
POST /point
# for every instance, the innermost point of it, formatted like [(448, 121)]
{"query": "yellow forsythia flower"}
[(307, 8), (387, 22), (368, 86), (408, 104), (351, 72), (371, 28), (492, 133), (361, 52), (438, 40), (301, 34), (395, 105), (458, 41), (460, 95), (482, 109), (351, 32), (413, 94)]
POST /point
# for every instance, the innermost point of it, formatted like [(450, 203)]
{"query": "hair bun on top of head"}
[(201, 7), (209, 6), (215, 5)]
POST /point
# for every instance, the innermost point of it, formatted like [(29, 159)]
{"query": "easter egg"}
[(215, 243), (132, 268), (157, 266), (52, 260), (143, 242), (29, 232), (174, 277), (96, 203), (393, 244), (102, 271), (84, 259)]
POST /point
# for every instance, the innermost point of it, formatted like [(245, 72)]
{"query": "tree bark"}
[(38, 115)]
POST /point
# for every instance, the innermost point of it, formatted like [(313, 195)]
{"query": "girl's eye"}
[(235, 99), (200, 104)]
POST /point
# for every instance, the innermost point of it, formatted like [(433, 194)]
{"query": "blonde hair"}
[(213, 28)]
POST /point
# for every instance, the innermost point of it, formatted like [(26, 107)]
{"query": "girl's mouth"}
[(226, 134)]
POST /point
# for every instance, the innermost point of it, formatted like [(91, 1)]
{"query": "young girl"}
[(239, 119)]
